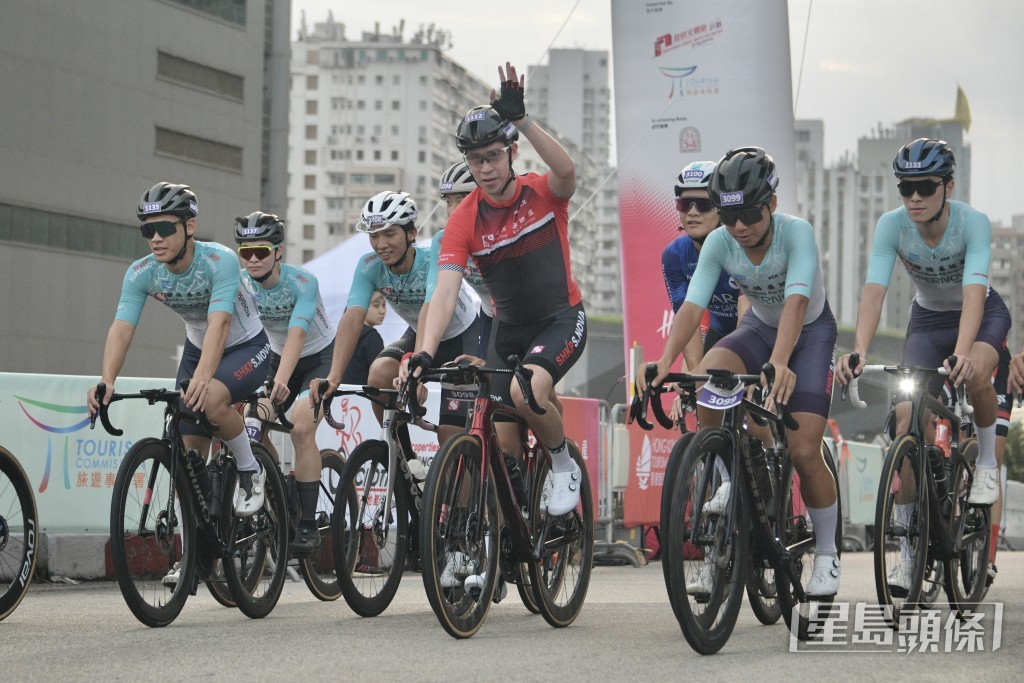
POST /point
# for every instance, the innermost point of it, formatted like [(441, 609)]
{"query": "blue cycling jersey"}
[(961, 257), (790, 266), (678, 262), (212, 283), (407, 292), (293, 302)]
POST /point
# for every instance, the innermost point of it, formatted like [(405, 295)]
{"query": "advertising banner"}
[(582, 420), (693, 80)]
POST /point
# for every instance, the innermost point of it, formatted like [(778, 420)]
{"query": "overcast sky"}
[(866, 62)]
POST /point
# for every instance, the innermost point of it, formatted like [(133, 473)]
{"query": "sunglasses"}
[(703, 204), (747, 216), (260, 251), (163, 228), (924, 188), (476, 160)]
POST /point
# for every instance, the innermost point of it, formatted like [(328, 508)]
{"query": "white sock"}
[(723, 472), (904, 511), (987, 446), (824, 521), (240, 448), (561, 461)]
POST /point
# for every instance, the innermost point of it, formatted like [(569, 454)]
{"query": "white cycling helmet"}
[(695, 176), (386, 209), (456, 180)]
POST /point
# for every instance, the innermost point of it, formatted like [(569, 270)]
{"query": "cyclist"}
[(515, 228), (400, 270), (225, 346), (302, 344), (774, 259), (945, 247)]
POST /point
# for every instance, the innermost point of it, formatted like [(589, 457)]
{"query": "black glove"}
[(510, 102), (421, 360)]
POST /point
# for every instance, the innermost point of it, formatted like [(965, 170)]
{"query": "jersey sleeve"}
[(227, 277), (709, 268), (454, 249), (884, 250), (978, 248), (133, 295), (362, 284), (432, 268), (676, 283), (801, 258), (307, 290)]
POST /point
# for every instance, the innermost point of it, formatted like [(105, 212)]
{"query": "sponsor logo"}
[(151, 207), (643, 465), (30, 551), (476, 116), (678, 75), (509, 130), (732, 198), (694, 36), (537, 349), (252, 363), (689, 139)]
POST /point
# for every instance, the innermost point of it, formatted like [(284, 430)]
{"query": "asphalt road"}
[(626, 632)]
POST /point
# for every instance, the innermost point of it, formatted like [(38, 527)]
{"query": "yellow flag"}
[(963, 110)]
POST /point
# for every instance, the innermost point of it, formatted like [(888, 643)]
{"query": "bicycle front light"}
[(906, 386)]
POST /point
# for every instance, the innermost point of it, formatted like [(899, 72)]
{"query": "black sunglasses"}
[(163, 228), (747, 216), (703, 204), (260, 251), (924, 188)]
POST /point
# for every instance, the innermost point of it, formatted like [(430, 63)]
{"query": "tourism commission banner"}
[(693, 79)]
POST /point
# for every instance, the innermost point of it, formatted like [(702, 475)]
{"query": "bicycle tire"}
[(318, 569), (525, 588), (148, 537), (675, 459), (903, 461), (255, 567), (811, 613), (451, 523), (370, 558), (217, 584), (966, 573), (19, 533), (717, 549), (561, 577), (763, 594)]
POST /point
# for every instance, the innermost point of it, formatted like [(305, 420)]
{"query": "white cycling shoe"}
[(565, 491), (985, 487), (719, 501), (824, 579)]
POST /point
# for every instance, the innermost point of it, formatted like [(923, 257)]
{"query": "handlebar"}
[(467, 373), (153, 396), (853, 390)]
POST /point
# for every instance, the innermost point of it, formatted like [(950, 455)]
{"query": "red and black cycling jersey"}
[(521, 248)]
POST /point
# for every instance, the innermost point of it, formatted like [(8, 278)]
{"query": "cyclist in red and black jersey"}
[(515, 228)]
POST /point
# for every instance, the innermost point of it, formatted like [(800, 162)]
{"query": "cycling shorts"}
[(554, 344), (813, 359), (308, 368), (243, 369)]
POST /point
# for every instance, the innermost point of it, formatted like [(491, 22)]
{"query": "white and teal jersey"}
[(212, 283), (961, 257), (471, 275), (293, 302), (408, 292), (791, 266)]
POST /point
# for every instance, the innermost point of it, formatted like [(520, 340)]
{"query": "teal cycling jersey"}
[(471, 275), (790, 266), (212, 283), (961, 257), (407, 292), (293, 302)]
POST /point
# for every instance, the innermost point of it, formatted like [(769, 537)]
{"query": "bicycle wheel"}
[(966, 572), (217, 584), (933, 583), (369, 557), (525, 588), (257, 555), (459, 539), (763, 594), (19, 533), (811, 613), (675, 459), (901, 529), (152, 528), (710, 550), (318, 569), (561, 576)]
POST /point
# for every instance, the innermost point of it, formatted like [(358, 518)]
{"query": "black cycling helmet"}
[(481, 126), (162, 198), (259, 226), (924, 157), (744, 178)]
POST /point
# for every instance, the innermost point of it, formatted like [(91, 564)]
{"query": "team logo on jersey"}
[(537, 349), (732, 198)]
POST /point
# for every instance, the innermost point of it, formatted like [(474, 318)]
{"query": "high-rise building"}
[(101, 101)]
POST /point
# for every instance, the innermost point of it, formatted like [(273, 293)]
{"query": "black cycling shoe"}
[(304, 542)]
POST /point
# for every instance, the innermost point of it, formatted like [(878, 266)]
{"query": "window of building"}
[(394, 131), (311, 132), (312, 82), (311, 107), (199, 76), (310, 157), (376, 155), (309, 207), (360, 105), (361, 79), (378, 105), (384, 178), (396, 105), (308, 231), (359, 155), (394, 155), (378, 129), (228, 10), (309, 182), (422, 157), (423, 105), (423, 80), (313, 57), (307, 255)]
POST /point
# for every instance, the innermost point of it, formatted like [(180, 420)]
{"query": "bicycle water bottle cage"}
[(720, 398)]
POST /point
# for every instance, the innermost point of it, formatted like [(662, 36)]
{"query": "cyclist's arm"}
[(675, 279), (439, 314), (693, 352), (349, 327), (218, 324), (562, 176), (290, 355), (970, 318), (869, 313), (977, 258), (119, 339), (742, 306), (791, 324), (684, 325)]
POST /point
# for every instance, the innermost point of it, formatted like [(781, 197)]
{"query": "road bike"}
[(166, 515), (923, 517), (19, 533), (468, 547), (761, 523)]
